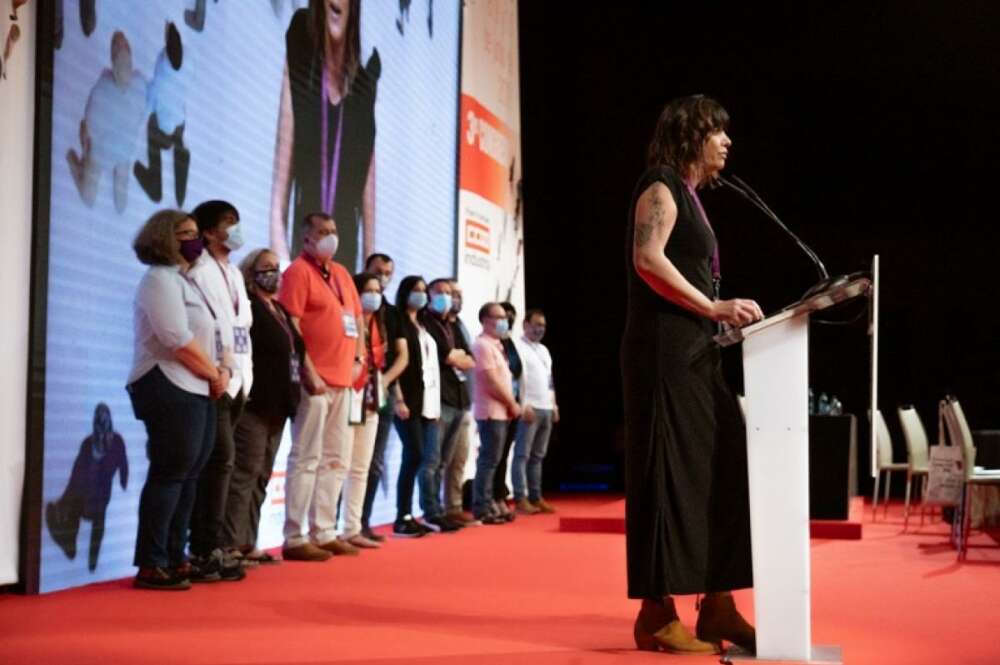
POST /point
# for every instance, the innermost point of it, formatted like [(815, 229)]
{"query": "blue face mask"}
[(417, 300), (370, 302), (441, 303), (503, 327)]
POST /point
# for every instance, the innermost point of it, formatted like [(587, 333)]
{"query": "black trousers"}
[(213, 484), (376, 470)]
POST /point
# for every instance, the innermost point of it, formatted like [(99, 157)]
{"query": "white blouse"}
[(432, 374), (169, 313)]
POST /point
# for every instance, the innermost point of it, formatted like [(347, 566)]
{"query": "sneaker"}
[(359, 540), (160, 579), (339, 547), (526, 508), (409, 528), (441, 524), (371, 535), (544, 506), (305, 552), (204, 569), (490, 520), (230, 568)]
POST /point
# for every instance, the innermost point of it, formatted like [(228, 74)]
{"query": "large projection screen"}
[(218, 137)]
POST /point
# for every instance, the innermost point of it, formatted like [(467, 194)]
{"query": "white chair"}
[(960, 435), (884, 463), (917, 465)]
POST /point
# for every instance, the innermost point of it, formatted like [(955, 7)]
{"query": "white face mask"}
[(326, 247), (235, 238)]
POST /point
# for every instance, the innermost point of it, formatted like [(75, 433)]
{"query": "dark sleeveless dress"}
[(305, 72), (687, 507)]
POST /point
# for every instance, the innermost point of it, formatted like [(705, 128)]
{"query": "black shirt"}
[(514, 361), (273, 394), (399, 326), (448, 337)]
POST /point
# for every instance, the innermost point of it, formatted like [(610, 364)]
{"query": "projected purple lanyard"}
[(716, 271), (328, 184)]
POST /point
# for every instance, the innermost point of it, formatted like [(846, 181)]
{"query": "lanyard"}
[(334, 286), (279, 315), (328, 176), (716, 271), (229, 287), (203, 298)]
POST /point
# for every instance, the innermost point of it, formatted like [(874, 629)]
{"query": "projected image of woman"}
[(324, 156), (687, 506)]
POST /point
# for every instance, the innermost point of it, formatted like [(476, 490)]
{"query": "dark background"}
[(867, 128)]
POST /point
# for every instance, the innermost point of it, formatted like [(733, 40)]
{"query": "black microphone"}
[(736, 184)]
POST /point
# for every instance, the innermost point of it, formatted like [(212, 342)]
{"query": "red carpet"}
[(521, 593)]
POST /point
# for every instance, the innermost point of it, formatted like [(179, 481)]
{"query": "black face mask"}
[(267, 280)]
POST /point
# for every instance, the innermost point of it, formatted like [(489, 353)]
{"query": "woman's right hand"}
[(402, 411), (736, 312)]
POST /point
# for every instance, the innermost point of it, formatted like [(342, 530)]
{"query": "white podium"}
[(776, 383)]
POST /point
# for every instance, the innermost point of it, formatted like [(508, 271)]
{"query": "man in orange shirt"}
[(323, 302)]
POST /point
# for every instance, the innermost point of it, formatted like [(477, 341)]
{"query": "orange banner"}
[(486, 153)]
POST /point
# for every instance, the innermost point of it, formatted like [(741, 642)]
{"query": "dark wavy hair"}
[(352, 50), (684, 125)]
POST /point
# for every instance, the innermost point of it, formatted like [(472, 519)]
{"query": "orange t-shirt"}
[(320, 306)]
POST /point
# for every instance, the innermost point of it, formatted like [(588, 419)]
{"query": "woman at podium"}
[(687, 506)]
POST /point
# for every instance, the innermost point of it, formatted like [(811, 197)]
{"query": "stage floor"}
[(520, 593)]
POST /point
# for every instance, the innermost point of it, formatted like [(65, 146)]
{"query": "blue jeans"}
[(181, 430), (435, 454), (529, 452), (417, 434), (492, 434)]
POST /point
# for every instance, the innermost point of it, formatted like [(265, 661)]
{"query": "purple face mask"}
[(191, 249)]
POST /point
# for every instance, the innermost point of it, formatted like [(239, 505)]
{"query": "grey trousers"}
[(257, 440)]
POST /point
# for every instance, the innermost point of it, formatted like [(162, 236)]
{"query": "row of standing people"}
[(224, 356)]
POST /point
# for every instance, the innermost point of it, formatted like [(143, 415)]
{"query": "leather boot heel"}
[(719, 620), (644, 641)]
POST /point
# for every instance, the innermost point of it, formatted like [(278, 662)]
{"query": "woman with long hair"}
[(687, 505), (325, 150)]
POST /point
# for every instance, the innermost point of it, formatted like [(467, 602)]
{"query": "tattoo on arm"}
[(644, 228)]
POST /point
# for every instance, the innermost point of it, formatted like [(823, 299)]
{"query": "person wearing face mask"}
[(222, 284), (325, 307), (277, 352), (538, 413), (367, 399), (500, 489), (454, 465), (454, 360), (417, 403), (175, 377), (382, 267), (494, 408)]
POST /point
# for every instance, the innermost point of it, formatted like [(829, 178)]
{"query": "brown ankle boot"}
[(658, 628), (720, 620)]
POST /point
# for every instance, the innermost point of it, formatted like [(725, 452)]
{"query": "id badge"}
[(220, 350), (294, 367), (241, 340), (460, 374), (350, 325)]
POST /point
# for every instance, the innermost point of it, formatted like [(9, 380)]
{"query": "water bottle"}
[(823, 408), (836, 408)]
